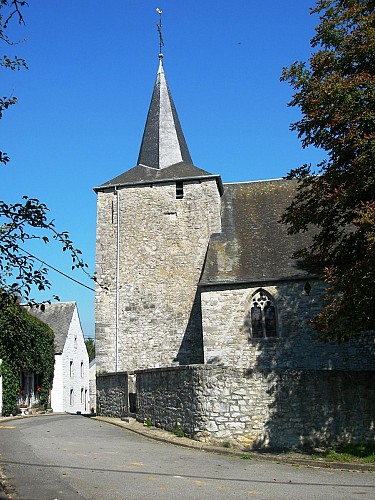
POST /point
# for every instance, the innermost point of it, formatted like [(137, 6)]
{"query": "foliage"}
[(147, 422), (26, 344), (179, 432), (19, 223), (335, 93), (11, 383), (12, 9), (362, 453), (28, 219), (350, 452), (90, 346)]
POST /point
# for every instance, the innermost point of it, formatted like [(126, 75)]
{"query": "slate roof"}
[(58, 316), (163, 154), (253, 245), (146, 175), (163, 143)]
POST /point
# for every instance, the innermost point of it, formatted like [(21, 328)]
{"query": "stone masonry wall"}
[(162, 241), (227, 339), (260, 408), (112, 394), (169, 395)]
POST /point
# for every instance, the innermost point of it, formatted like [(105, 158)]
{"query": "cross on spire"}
[(159, 26)]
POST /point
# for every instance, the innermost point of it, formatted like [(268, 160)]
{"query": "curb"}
[(167, 437)]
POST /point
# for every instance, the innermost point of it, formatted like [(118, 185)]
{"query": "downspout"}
[(117, 272)]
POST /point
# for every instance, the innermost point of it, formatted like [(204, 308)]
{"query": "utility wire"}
[(57, 270)]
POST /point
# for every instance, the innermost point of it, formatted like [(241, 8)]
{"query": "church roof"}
[(163, 143), (163, 154), (253, 244), (58, 316), (146, 175)]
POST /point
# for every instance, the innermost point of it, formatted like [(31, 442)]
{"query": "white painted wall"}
[(70, 391), (57, 386)]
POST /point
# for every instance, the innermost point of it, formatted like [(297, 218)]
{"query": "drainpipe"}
[(117, 271)]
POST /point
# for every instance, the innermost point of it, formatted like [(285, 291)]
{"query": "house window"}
[(71, 368), (263, 322), (71, 397), (179, 190), (82, 369), (82, 396), (75, 342)]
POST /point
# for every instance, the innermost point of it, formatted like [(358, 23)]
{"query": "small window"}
[(71, 372), (262, 316), (71, 397), (82, 396), (82, 369), (179, 190), (75, 342)]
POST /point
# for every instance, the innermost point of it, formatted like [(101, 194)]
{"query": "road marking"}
[(7, 426)]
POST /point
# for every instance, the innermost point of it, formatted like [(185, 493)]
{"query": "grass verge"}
[(350, 453)]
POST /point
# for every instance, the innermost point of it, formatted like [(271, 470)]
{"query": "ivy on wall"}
[(26, 344)]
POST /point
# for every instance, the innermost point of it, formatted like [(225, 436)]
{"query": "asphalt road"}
[(71, 457)]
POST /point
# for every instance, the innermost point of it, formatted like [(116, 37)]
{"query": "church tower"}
[(154, 223)]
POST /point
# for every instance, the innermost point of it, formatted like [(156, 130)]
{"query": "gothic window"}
[(262, 316)]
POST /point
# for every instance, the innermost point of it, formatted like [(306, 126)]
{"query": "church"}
[(201, 311)]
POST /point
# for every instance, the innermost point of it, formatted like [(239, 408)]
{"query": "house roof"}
[(58, 316), (253, 244)]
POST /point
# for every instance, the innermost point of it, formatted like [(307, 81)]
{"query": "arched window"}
[(263, 322)]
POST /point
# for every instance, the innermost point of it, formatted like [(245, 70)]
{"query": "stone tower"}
[(154, 223)]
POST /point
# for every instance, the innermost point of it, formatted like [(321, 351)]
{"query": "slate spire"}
[(163, 142)]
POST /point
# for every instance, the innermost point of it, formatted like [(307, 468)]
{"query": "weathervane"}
[(159, 26)]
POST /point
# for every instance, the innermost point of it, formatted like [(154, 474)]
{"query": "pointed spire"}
[(163, 142)]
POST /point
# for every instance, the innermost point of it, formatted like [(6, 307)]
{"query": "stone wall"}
[(169, 395), (260, 408), (112, 394), (227, 339), (162, 244)]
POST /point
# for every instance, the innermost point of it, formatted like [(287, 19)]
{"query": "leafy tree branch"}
[(29, 219), (336, 94)]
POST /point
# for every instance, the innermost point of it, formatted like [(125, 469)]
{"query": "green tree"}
[(26, 344), (90, 346), (28, 219), (335, 93)]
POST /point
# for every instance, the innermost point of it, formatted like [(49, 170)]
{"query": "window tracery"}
[(263, 321)]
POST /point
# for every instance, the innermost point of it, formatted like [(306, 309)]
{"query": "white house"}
[(70, 389)]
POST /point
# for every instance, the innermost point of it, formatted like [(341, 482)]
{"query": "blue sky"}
[(84, 100)]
